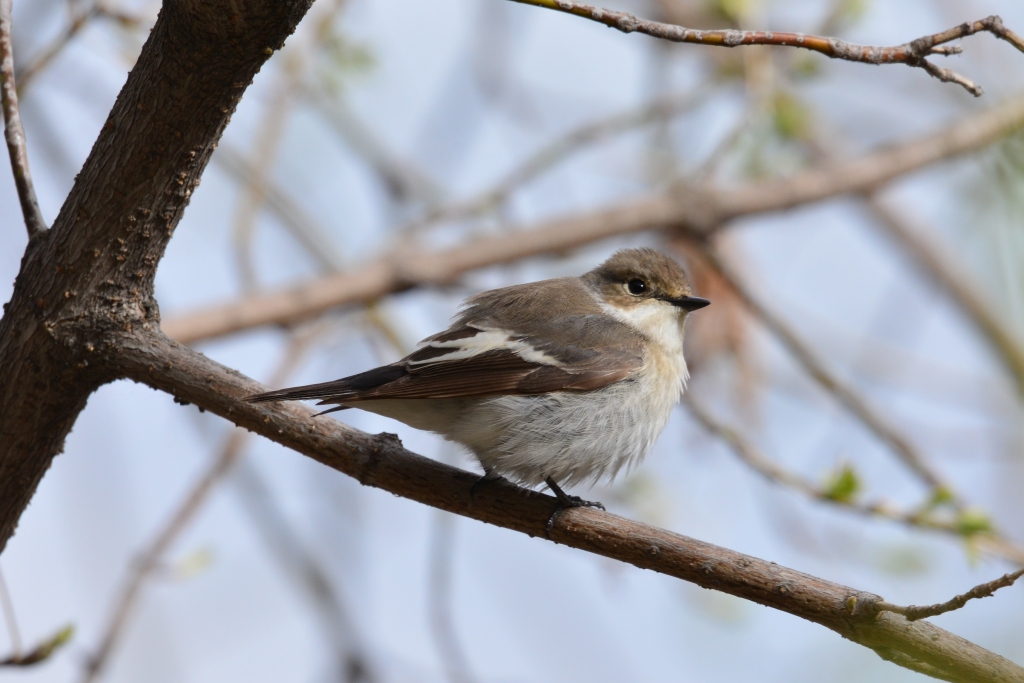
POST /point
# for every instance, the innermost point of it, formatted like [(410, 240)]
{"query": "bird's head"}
[(644, 280)]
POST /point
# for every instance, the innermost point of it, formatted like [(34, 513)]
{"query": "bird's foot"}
[(565, 502)]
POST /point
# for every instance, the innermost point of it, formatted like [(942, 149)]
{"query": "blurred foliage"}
[(342, 59), (791, 117), (973, 521), (843, 484), (193, 564), (905, 560)]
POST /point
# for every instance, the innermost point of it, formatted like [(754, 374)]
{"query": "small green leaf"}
[(42, 651), (973, 521), (942, 495), (843, 485)]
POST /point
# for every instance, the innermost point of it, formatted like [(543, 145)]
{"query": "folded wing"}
[(467, 361)]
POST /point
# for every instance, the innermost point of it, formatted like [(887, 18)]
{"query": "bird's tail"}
[(345, 389)]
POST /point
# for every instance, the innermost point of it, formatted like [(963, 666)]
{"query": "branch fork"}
[(913, 53)]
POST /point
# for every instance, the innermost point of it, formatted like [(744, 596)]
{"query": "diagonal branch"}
[(919, 518), (700, 209), (14, 133), (935, 261), (913, 53), (816, 368), (147, 356)]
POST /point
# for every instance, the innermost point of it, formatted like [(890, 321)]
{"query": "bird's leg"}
[(565, 501), (487, 476)]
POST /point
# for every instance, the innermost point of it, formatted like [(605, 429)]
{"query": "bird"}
[(564, 381)]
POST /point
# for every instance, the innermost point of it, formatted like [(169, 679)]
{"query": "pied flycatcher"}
[(562, 381)]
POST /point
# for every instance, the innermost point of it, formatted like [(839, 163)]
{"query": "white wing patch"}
[(482, 342)]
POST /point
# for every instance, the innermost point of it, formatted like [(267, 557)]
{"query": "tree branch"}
[(913, 612), (699, 209), (14, 133), (936, 263), (913, 53), (148, 357), (816, 368), (920, 518)]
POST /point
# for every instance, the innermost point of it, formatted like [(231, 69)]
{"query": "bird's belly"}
[(573, 437)]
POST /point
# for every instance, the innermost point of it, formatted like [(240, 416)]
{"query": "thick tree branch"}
[(96, 266), (913, 53), (14, 133), (148, 357), (699, 209)]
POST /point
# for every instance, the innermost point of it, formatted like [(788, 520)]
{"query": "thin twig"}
[(914, 612), (149, 560), (660, 109), (935, 261), (816, 368), (74, 27), (10, 619), (302, 566), (313, 237), (920, 518), (14, 133), (913, 53)]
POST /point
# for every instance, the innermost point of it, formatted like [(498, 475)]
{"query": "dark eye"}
[(636, 287)]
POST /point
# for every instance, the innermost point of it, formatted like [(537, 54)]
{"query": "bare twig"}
[(914, 612), (920, 518), (10, 619), (150, 559), (353, 664), (701, 209), (934, 260), (403, 181), (816, 368), (453, 658), (913, 53), (313, 237), (148, 357), (78, 22), (14, 133), (660, 109)]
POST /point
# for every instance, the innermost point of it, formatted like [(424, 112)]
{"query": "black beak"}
[(689, 303)]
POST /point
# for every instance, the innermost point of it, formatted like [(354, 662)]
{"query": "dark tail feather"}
[(332, 410), (347, 387)]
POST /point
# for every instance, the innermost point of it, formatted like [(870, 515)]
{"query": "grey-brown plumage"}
[(529, 377)]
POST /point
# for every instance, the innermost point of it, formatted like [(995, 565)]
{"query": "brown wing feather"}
[(590, 350)]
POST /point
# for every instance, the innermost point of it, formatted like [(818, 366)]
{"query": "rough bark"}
[(93, 271)]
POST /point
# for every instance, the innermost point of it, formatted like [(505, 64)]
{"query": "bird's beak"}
[(689, 303)]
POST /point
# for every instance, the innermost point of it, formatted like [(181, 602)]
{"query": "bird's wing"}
[(466, 361)]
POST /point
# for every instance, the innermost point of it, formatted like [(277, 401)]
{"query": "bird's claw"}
[(565, 502)]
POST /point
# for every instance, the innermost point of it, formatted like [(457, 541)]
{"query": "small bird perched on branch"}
[(562, 381)]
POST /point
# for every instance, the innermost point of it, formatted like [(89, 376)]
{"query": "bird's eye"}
[(636, 287)]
